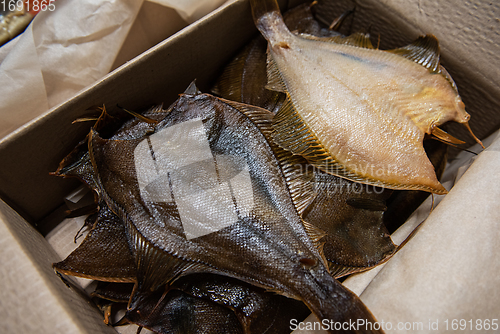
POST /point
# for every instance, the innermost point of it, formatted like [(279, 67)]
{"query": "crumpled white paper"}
[(65, 50)]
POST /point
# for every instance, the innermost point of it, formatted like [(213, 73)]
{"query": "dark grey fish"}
[(204, 192)]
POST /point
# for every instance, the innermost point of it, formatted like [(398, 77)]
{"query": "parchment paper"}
[(448, 274), (63, 51)]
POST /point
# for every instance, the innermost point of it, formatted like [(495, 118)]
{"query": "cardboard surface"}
[(69, 46), (34, 299), (451, 260)]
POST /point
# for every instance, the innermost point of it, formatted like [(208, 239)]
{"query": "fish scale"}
[(268, 247), (366, 111)]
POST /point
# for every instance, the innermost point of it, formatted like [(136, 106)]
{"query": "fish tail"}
[(268, 19), (262, 7), (339, 309)]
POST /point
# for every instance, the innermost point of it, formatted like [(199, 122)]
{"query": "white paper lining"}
[(448, 270), (65, 50)]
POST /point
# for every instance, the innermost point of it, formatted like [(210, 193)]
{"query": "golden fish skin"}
[(358, 113), (350, 214)]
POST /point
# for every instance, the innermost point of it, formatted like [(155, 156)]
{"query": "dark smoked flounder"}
[(203, 191)]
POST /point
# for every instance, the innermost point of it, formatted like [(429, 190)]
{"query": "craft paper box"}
[(33, 298)]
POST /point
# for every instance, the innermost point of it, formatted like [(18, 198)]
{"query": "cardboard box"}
[(33, 297)]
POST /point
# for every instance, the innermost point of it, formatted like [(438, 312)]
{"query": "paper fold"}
[(67, 49)]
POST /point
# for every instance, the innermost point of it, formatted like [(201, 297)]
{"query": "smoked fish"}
[(201, 188), (355, 111)]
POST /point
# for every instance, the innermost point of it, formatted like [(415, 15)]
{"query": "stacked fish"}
[(237, 213)]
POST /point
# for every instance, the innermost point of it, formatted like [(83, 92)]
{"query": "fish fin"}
[(473, 135), (339, 270), (115, 292), (448, 77), (257, 115), (315, 233), (103, 255), (297, 175), (157, 108), (338, 21), (320, 246), (424, 51), (150, 257), (139, 116), (192, 89), (230, 82), (103, 119), (357, 39), (445, 136), (85, 119), (229, 85), (291, 133), (274, 80), (299, 178)]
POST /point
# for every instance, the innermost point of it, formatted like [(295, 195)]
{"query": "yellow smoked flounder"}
[(355, 111)]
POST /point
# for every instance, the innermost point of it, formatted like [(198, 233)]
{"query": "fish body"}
[(202, 191), (358, 112), (200, 302), (350, 214)]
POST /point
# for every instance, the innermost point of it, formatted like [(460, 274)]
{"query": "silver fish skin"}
[(266, 245)]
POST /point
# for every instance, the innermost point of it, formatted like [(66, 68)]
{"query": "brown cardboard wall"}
[(469, 37)]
